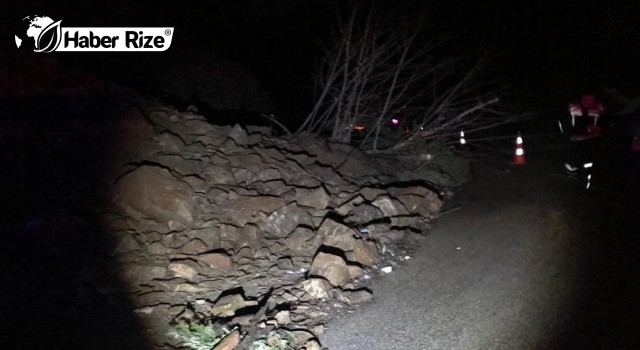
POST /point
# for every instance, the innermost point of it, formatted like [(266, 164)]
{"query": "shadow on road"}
[(607, 220)]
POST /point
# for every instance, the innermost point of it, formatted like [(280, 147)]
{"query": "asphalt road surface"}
[(527, 262)]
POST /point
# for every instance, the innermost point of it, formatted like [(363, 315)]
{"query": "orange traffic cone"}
[(519, 158)]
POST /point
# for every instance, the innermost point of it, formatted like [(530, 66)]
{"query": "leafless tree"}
[(374, 72)]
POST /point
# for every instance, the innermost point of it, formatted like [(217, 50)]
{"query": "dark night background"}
[(544, 52)]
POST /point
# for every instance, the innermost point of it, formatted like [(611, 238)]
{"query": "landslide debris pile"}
[(241, 228)]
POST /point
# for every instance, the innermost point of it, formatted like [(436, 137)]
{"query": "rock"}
[(312, 345), (230, 341), (318, 330), (331, 267), (193, 247), (417, 199), (355, 271), (303, 241), (176, 163), (326, 173), (288, 297), (170, 143), (173, 240), (366, 253), (249, 161), (196, 124), (153, 192), (157, 248), (227, 305), (217, 261), (316, 198), (283, 221), (302, 336), (365, 213), (316, 288), (219, 173), (246, 209), (345, 208), (283, 317), (273, 188), (189, 288), (285, 263), (405, 221), (358, 296), (389, 206), (196, 191), (243, 253), (337, 235), (239, 135), (182, 269), (370, 193), (387, 269)]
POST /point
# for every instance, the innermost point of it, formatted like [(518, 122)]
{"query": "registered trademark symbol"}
[(167, 32)]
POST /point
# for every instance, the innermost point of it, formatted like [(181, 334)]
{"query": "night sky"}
[(543, 52)]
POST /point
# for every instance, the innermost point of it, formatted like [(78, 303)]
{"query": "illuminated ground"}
[(526, 263)]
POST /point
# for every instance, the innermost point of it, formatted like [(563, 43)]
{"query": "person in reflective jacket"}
[(582, 129)]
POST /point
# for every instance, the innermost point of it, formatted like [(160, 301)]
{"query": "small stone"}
[(358, 296), (338, 295), (316, 288), (289, 297), (298, 293), (387, 269), (302, 336), (318, 330), (355, 271), (285, 263), (366, 253), (312, 345), (229, 304), (239, 135), (331, 267), (283, 317)]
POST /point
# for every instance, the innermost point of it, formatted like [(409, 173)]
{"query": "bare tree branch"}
[(375, 72)]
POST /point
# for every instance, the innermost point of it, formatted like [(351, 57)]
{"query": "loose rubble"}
[(246, 229)]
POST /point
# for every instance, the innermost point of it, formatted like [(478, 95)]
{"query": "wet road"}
[(528, 262)]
